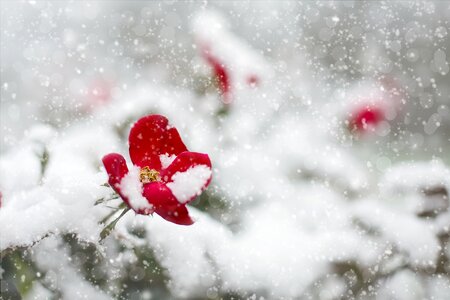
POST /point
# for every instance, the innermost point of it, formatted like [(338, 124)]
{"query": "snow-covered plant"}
[(324, 136)]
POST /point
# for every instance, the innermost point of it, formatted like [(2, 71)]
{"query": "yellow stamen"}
[(147, 175)]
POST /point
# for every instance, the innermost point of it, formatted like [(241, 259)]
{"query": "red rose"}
[(165, 176), (220, 73), (366, 118)]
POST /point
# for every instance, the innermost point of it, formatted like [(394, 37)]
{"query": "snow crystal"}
[(131, 188), (187, 184), (166, 160)]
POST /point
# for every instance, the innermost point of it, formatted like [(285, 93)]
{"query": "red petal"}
[(116, 167), (165, 203), (150, 137)]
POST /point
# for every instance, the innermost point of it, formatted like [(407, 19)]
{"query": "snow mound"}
[(186, 185), (131, 187)]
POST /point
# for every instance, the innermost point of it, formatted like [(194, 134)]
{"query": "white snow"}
[(132, 188), (404, 285), (413, 176), (413, 236), (56, 262), (188, 184), (62, 201), (166, 159)]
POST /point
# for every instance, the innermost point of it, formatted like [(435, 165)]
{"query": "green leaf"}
[(110, 227)]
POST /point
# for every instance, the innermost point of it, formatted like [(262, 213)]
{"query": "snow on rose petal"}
[(132, 188), (188, 184)]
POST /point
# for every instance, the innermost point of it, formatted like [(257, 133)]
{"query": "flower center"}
[(147, 175)]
